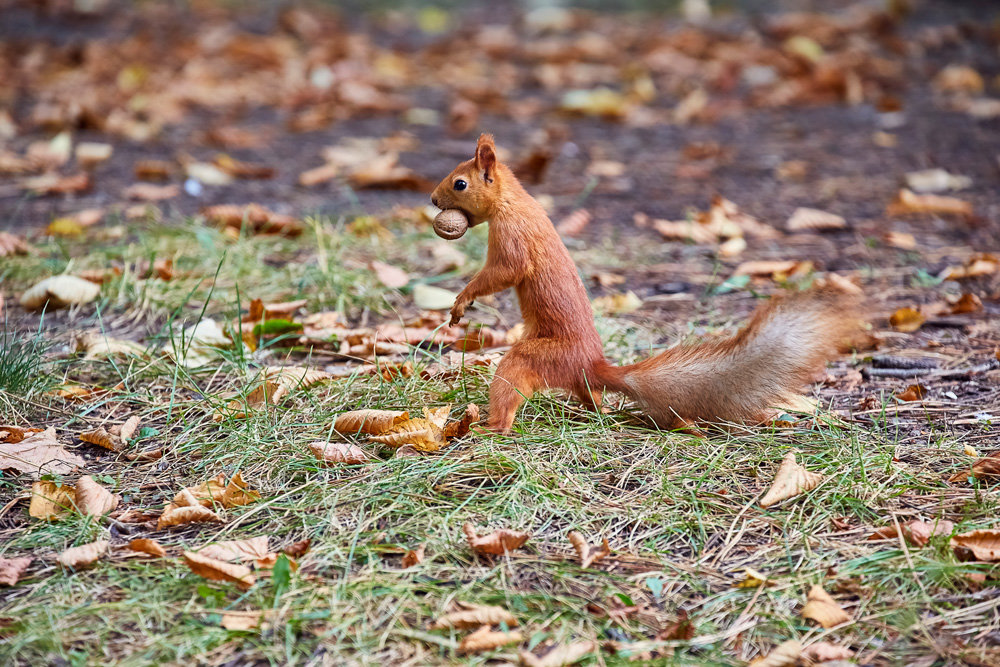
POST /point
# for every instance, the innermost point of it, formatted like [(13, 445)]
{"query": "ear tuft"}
[(486, 156)]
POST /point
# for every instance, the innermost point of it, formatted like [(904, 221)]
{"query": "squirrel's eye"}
[(460, 184)]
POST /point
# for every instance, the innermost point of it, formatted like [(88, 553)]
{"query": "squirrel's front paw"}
[(457, 311)]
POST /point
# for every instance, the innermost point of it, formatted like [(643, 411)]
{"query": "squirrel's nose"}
[(434, 200)]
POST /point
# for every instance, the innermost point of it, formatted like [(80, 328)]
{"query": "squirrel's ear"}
[(486, 156)]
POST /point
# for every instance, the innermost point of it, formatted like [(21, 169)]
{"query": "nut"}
[(450, 224)]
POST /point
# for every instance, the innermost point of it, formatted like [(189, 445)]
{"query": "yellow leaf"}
[(219, 570), (906, 320), (618, 304), (179, 516), (423, 434), (790, 480), (49, 501)]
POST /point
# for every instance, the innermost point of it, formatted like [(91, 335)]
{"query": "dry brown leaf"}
[(474, 616), (100, 437), (561, 654), (811, 219), (372, 422), (767, 267), (207, 493), (298, 549), (11, 434), (785, 655), (967, 303), (256, 217), (900, 240), (986, 469), (826, 652), (246, 620), (52, 183), (413, 556), (50, 501), (390, 276), (461, 428), (59, 292), (983, 545), (823, 609), (83, 555), (588, 554), (958, 79), (423, 434), (128, 429), (907, 202), (151, 192), (92, 499), (11, 244), (916, 532), (96, 345), (238, 550), (338, 452), (485, 639), (219, 570), (496, 543), (978, 265), (913, 392), (617, 304), (237, 493), (144, 545), (574, 223), (38, 454), (906, 320), (180, 516), (11, 569), (790, 480), (681, 629)]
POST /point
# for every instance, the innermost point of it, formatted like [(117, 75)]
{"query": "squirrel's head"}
[(474, 185)]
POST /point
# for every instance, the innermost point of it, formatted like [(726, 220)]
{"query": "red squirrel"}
[(732, 380)]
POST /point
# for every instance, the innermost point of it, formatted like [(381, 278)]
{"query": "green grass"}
[(678, 511)]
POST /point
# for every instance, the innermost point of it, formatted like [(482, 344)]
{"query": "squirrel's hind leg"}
[(514, 383)]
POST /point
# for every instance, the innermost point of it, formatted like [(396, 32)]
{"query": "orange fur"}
[(735, 379)]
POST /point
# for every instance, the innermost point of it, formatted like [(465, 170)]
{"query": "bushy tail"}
[(736, 379)]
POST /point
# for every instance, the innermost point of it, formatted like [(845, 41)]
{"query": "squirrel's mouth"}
[(471, 218)]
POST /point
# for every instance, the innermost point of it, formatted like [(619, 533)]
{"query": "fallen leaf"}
[(900, 240), (64, 227), (298, 549), (958, 79), (237, 493), (754, 579), (390, 276), (785, 655), (428, 297), (916, 532), (907, 202), (59, 292), (588, 554), (790, 480), (49, 501), (151, 192), (180, 516), (255, 217), (53, 184), (913, 392), (982, 545), (826, 652), (92, 499), (83, 555), (978, 265), (574, 223), (423, 434), (11, 569), (129, 428), (681, 629), (773, 268), (38, 454), (240, 169), (986, 469), (413, 556), (89, 154), (371, 422), (147, 546), (617, 304), (561, 654), (906, 320), (461, 428), (219, 570), (11, 244), (823, 609), (474, 616), (936, 180), (10, 433), (246, 620), (238, 550), (338, 452), (811, 219), (967, 303), (198, 344), (485, 639), (96, 345), (100, 437), (496, 543)]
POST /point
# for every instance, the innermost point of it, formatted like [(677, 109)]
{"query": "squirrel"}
[(785, 343)]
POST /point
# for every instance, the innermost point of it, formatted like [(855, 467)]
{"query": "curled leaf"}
[(986, 469), (496, 543), (588, 554), (144, 545), (179, 516), (918, 533), (129, 428), (790, 480), (414, 556), (83, 555), (219, 570), (914, 392), (59, 292), (785, 655), (823, 609), (814, 220), (338, 452), (826, 652), (982, 545), (92, 499), (906, 320), (474, 616), (460, 428), (238, 550), (372, 422), (423, 434), (561, 654), (100, 437), (50, 501), (485, 639)]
